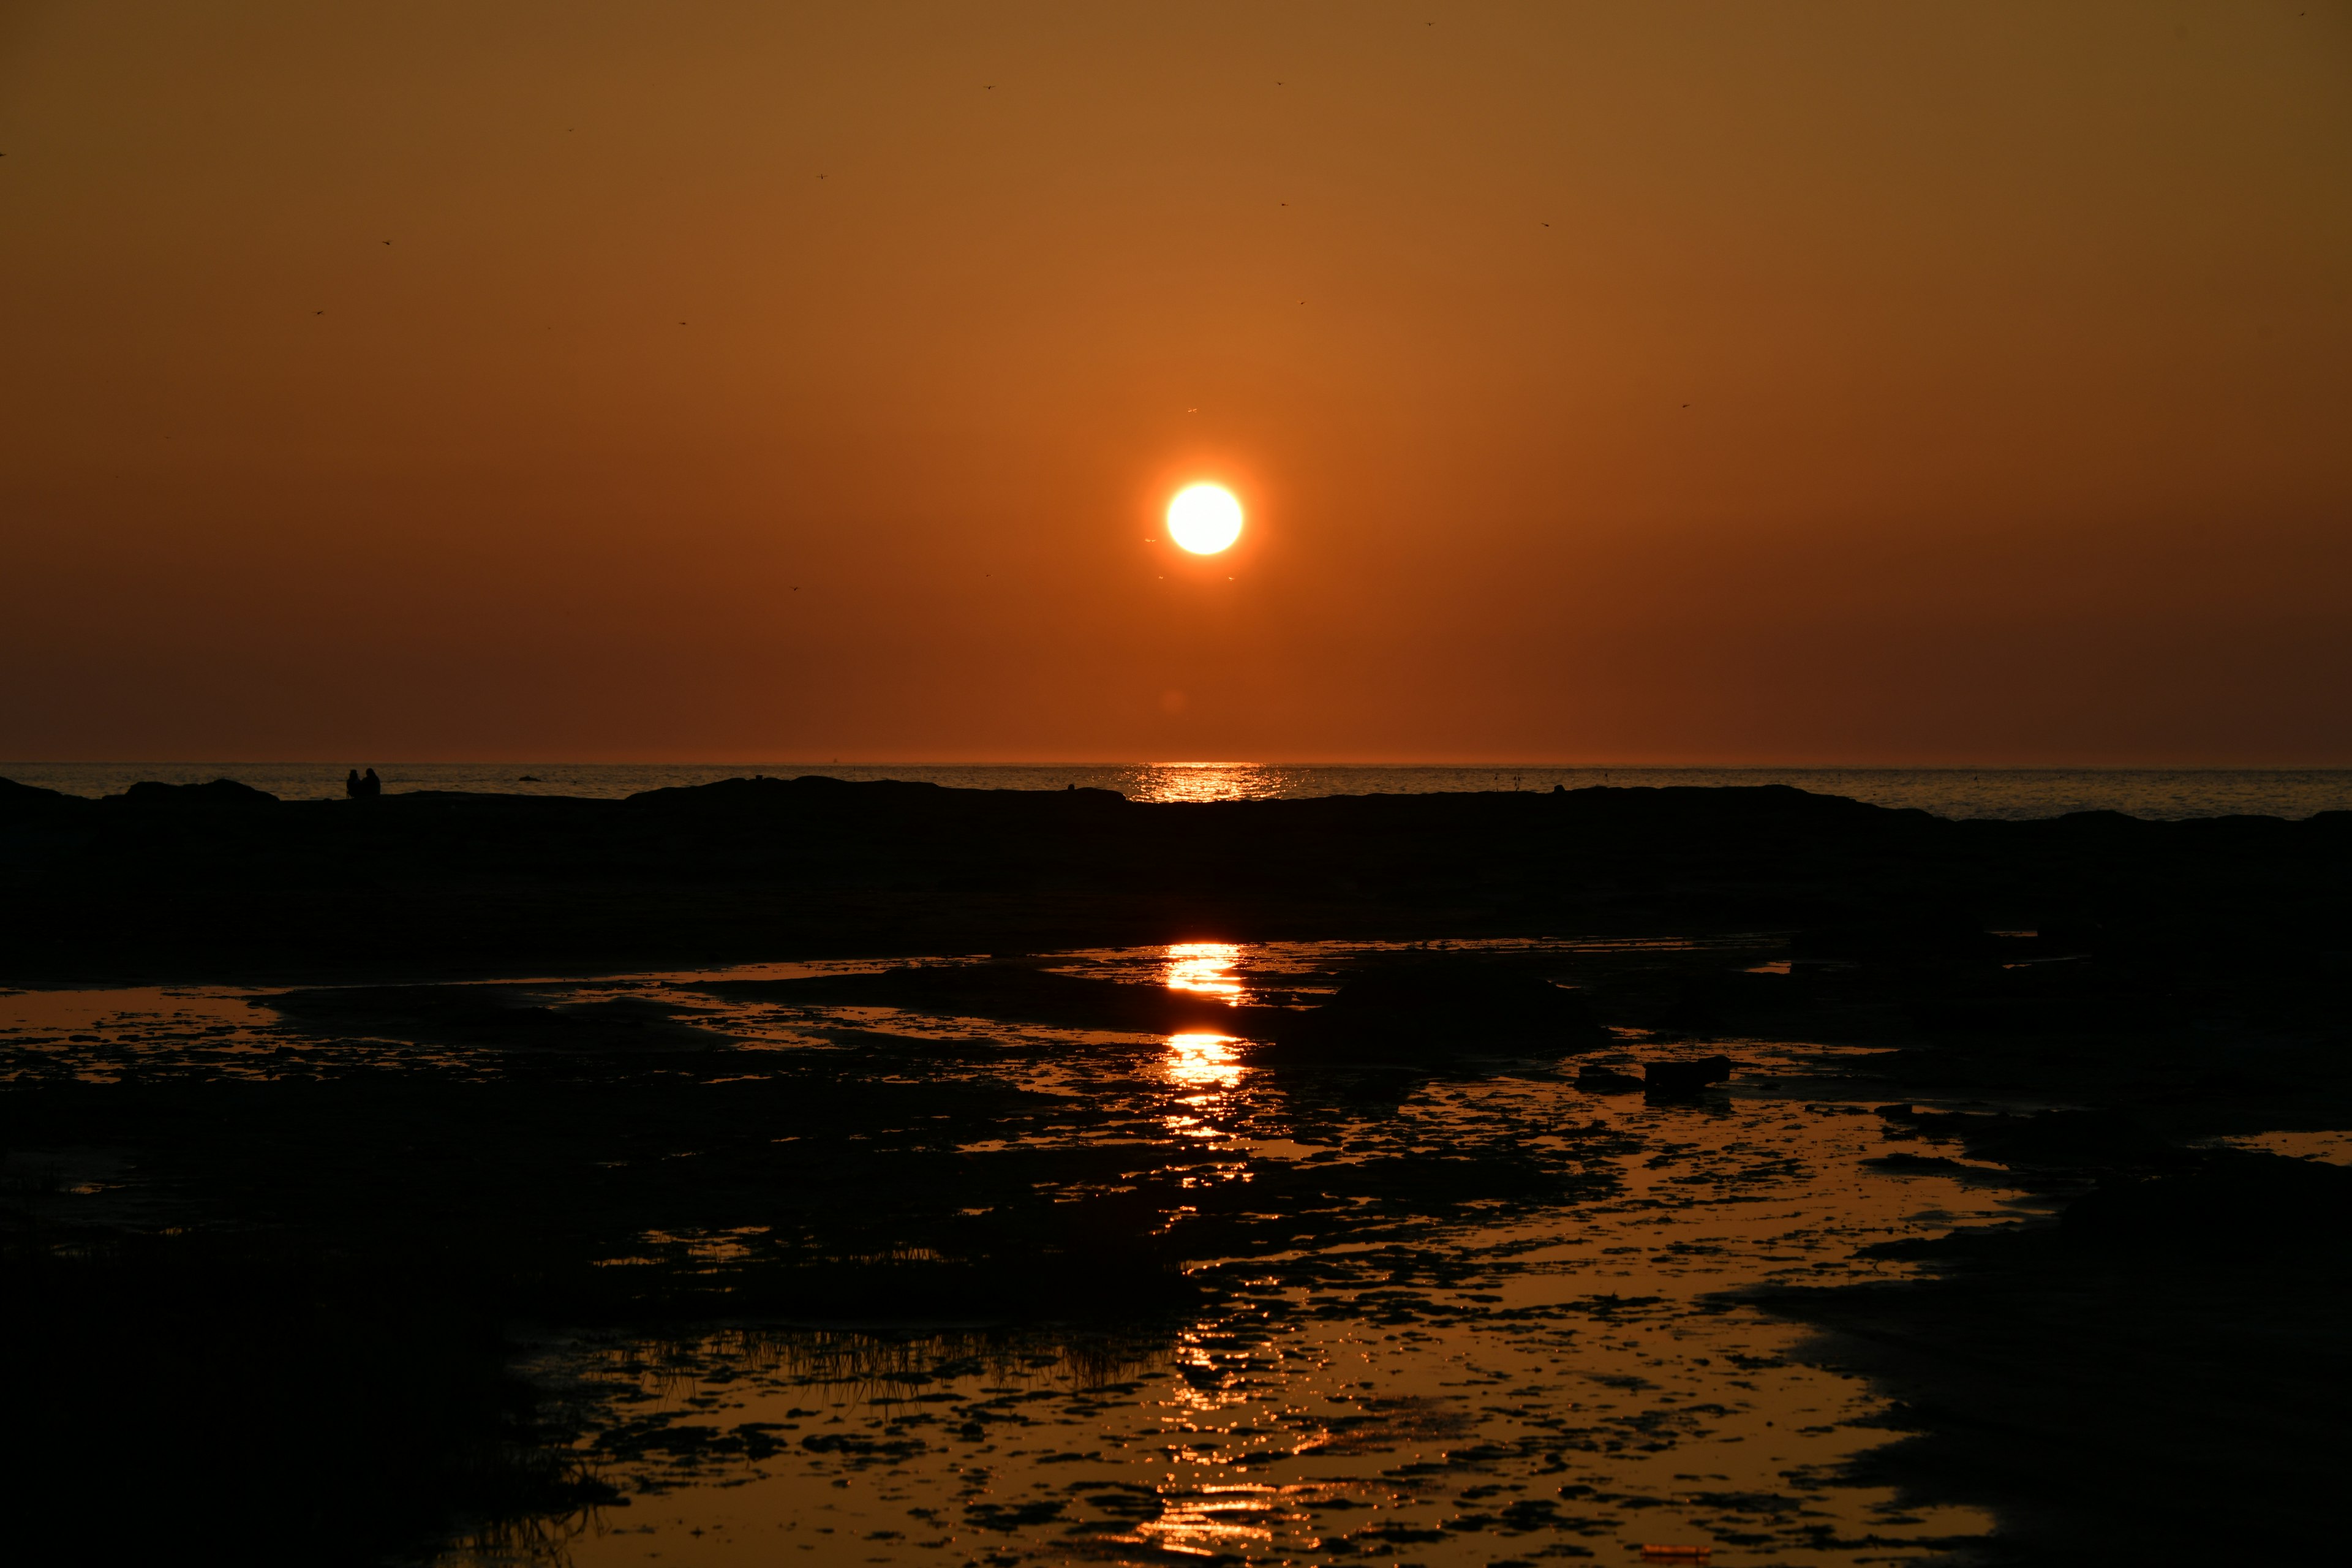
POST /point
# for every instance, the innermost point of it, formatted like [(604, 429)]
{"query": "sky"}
[(1756, 382)]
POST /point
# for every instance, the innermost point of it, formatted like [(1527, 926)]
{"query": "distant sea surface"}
[(2011, 793)]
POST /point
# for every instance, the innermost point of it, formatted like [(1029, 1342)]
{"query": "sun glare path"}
[(1205, 968), (1205, 519), (1203, 1060)]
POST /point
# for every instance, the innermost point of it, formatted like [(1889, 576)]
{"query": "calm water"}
[(1563, 1375), (2007, 792)]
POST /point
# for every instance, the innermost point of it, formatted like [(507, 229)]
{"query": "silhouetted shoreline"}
[(217, 882)]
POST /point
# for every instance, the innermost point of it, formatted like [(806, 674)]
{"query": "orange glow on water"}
[(1204, 967), (1203, 1060)]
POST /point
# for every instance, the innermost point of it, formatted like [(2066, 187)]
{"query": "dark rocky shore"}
[(317, 1301), (217, 881)]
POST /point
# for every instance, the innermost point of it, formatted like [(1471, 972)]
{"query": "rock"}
[(1606, 1080), (1681, 1080)]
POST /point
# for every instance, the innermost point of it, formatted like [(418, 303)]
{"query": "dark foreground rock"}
[(2158, 1380), (1684, 1079)]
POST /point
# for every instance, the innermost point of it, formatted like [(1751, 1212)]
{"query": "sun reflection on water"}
[(1205, 968), (1218, 1519), (1201, 782), (1204, 1061)]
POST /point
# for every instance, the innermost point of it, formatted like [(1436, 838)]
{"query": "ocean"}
[(2008, 794)]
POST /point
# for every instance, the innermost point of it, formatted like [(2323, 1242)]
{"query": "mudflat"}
[(1069, 1075)]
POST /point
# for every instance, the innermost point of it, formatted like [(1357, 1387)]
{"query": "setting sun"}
[(1205, 519)]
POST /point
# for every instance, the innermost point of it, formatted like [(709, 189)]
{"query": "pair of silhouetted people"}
[(360, 788)]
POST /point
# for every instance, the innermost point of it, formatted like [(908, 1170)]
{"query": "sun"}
[(1205, 519)]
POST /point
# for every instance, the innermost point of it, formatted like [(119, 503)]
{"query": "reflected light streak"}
[(1200, 782), (1216, 1520), (1203, 1060), (1204, 968)]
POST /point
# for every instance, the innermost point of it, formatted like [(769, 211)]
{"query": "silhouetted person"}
[(352, 785), (371, 786)]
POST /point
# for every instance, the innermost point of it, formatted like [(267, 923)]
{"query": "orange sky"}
[(1804, 382)]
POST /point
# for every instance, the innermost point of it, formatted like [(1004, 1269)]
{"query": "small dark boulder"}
[(1682, 1080)]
